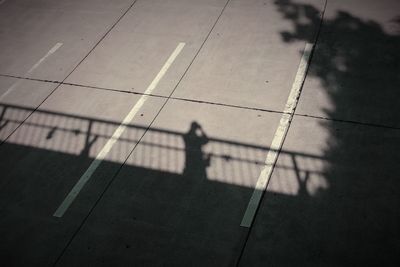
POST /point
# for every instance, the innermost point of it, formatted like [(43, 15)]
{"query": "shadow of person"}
[(196, 162)]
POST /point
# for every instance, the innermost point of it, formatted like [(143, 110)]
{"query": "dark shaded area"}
[(355, 222), (148, 217), (164, 207)]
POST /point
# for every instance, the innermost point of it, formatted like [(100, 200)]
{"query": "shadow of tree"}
[(352, 222), (356, 67)]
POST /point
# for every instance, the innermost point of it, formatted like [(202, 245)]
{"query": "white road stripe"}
[(17, 83), (14, 85), (107, 147), (51, 51), (278, 139)]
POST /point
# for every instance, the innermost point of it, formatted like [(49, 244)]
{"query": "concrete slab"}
[(181, 195), (31, 29), (246, 62), (354, 70), (344, 207), (46, 156), (18, 99), (130, 57)]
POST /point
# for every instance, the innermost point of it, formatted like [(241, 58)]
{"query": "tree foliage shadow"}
[(356, 220)]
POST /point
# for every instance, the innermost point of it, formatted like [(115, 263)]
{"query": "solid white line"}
[(278, 139), (107, 147), (17, 83)]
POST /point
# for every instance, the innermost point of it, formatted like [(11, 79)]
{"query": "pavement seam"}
[(76, 66), (363, 123), (369, 124)]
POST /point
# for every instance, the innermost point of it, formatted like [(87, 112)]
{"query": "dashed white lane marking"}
[(278, 139), (107, 147), (17, 83), (51, 51)]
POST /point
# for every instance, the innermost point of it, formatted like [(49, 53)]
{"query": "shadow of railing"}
[(229, 161)]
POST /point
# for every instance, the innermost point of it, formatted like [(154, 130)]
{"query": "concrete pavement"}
[(161, 148)]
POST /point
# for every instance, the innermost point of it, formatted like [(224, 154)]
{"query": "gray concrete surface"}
[(245, 55), (31, 29), (173, 188), (21, 93), (133, 53)]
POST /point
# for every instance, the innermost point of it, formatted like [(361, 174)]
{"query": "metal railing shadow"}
[(226, 161)]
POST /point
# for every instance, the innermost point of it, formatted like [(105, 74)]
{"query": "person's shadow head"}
[(196, 161)]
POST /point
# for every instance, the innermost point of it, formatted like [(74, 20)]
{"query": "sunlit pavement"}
[(143, 133)]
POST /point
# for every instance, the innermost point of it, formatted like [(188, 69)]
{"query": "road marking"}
[(2, 1), (51, 51), (17, 83), (114, 138), (278, 139)]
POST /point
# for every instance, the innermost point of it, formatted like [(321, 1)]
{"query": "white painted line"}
[(107, 147), (14, 85), (51, 51), (17, 83), (278, 139)]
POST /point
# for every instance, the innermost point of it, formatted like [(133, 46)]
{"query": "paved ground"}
[(140, 133)]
